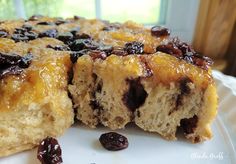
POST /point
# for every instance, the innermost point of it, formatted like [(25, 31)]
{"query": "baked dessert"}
[(146, 77), (115, 73), (34, 99)]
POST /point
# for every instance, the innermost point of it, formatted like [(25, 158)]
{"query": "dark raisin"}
[(49, 151), (170, 49), (188, 57), (113, 141), (106, 48), (25, 61), (12, 59), (19, 37), (12, 64), (147, 70), (59, 47), (96, 54), (95, 105), (3, 34), (52, 33), (20, 30), (184, 85), (45, 23), (11, 70), (178, 102), (111, 27), (134, 47), (83, 36), (189, 124), (74, 55), (159, 31), (80, 44), (28, 27), (75, 30), (99, 87), (31, 35), (76, 17), (65, 37), (61, 21), (136, 95), (119, 51), (35, 17), (202, 61)]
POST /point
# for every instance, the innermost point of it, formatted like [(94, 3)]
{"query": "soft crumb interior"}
[(99, 89), (23, 128)]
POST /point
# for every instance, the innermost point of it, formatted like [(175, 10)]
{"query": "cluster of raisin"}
[(184, 51), (24, 34), (12, 64)]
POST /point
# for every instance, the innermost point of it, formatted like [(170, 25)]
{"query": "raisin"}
[(74, 55), (94, 104), (96, 54), (24, 33), (76, 17), (3, 34), (61, 21), (83, 36), (159, 31), (202, 61), (49, 151), (28, 27), (19, 37), (188, 57), (134, 47), (170, 49), (20, 30), (59, 47), (80, 44), (11, 70), (189, 124), (119, 51), (113, 141), (35, 17), (99, 87), (25, 61), (31, 35), (13, 64), (75, 30), (52, 33), (6, 59), (136, 95), (65, 37), (106, 48), (111, 27), (147, 70), (184, 85), (45, 23)]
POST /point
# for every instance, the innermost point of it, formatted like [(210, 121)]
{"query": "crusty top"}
[(80, 35), (37, 54)]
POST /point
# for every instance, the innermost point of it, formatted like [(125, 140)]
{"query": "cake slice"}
[(34, 100), (149, 78)]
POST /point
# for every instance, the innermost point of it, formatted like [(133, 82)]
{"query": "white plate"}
[(80, 145)]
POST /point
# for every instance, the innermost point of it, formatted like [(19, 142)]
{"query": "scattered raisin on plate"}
[(113, 141), (49, 151)]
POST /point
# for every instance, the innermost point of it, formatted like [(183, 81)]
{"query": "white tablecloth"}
[(226, 88)]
